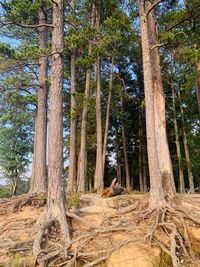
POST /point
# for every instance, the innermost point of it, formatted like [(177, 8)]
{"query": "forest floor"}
[(106, 232)]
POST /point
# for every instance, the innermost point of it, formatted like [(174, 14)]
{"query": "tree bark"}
[(15, 184), (140, 153), (39, 168), (160, 167), (178, 148), (145, 165), (118, 165), (98, 177), (108, 115), (165, 163), (82, 166), (128, 185), (56, 195), (198, 82), (186, 148), (56, 200), (72, 179)]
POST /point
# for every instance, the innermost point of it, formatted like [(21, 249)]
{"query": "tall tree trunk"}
[(72, 179), (107, 115), (197, 81), (39, 168), (140, 153), (98, 178), (178, 149), (185, 143), (118, 165), (128, 185), (160, 167), (82, 166), (165, 163), (144, 165), (56, 200), (14, 185)]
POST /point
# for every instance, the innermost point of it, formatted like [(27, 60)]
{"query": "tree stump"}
[(114, 189)]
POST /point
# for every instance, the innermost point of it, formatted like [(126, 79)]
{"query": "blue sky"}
[(13, 42)]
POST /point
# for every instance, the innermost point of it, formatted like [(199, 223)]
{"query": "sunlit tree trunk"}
[(82, 162), (56, 198), (15, 183), (186, 148), (39, 169), (140, 153), (144, 165), (98, 178), (118, 164), (128, 185), (178, 148), (165, 163), (198, 84), (72, 179), (160, 167), (107, 115)]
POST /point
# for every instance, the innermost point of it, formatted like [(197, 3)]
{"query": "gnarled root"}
[(52, 217), (165, 227), (170, 233)]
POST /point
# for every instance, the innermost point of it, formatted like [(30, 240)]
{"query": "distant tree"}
[(27, 15), (16, 138)]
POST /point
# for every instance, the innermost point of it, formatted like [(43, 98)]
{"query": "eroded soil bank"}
[(109, 229)]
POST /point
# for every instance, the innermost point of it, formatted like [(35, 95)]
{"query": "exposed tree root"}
[(167, 228), (15, 204), (51, 217), (168, 221)]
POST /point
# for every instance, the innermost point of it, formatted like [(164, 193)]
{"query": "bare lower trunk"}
[(56, 196), (98, 177), (178, 148), (56, 199), (144, 165), (157, 197), (198, 83), (14, 186), (39, 168), (128, 185), (72, 156), (164, 158), (140, 154), (82, 169), (82, 162), (107, 115), (186, 148), (118, 165), (78, 170), (32, 181)]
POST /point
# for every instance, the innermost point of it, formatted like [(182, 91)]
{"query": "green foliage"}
[(16, 134), (4, 191), (73, 200), (118, 36)]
